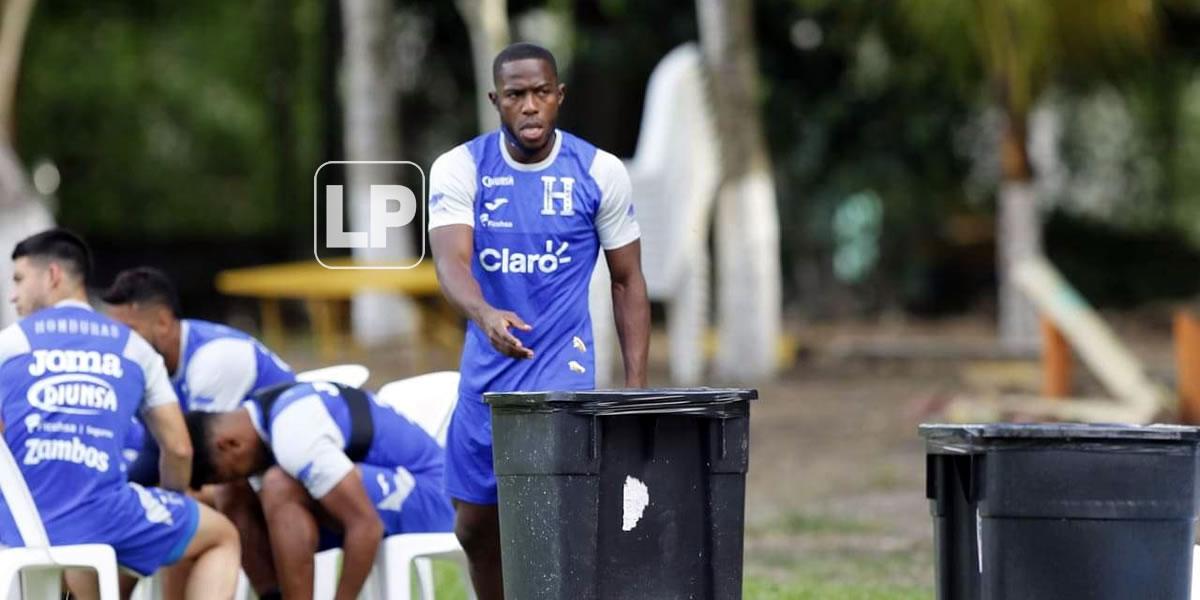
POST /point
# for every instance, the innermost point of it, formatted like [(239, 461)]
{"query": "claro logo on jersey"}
[(509, 261), (75, 361), (73, 393), (73, 451)]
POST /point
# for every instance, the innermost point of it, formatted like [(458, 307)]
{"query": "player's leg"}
[(471, 482), (84, 584), (292, 530), (238, 501), (209, 565), (477, 527)]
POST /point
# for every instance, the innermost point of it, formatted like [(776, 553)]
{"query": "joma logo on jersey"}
[(75, 361), (508, 261), (563, 196), (73, 393)]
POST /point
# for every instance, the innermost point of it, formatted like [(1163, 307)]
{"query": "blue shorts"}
[(470, 476), (406, 504), (147, 527)]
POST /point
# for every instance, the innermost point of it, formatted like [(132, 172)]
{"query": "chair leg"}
[(398, 583), (424, 568), (41, 583)]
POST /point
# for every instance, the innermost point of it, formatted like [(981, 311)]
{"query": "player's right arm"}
[(163, 416), (451, 238)]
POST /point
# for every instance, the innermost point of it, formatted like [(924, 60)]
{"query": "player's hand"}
[(498, 324)]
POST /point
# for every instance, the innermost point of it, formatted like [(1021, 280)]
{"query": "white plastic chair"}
[(427, 400), (674, 173), (348, 374), (37, 564), (1195, 595)]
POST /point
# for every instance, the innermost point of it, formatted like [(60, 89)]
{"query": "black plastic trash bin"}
[(1062, 511), (631, 495)]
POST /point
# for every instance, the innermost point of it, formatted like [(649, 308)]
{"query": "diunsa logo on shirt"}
[(73, 393)]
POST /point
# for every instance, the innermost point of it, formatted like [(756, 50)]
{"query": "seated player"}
[(338, 468), (213, 367), (70, 381)]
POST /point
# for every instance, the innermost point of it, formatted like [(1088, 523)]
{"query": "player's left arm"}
[(162, 415), (362, 530), (620, 237), (307, 444), (631, 309)]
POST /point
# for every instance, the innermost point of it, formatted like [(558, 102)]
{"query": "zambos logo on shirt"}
[(73, 451)]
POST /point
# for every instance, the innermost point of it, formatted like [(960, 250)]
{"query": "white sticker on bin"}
[(635, 500)]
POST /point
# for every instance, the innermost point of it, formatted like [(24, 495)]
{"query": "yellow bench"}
[(322, 289)]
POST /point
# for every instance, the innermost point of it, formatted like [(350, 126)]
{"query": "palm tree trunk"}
[(487, 25), (1019, 235), (21, 213), (372, 130), (747, 219), (14, 22)]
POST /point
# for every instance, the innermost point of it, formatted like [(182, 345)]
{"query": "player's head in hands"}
[(527, 96), (225, 447), (49, 267), (145, 299)]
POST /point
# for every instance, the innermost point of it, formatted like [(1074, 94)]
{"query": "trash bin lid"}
[(982, 436), (715, 402)]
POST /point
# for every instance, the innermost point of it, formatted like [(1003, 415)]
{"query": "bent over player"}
[(517, 219), (339, 469), (70, 381)]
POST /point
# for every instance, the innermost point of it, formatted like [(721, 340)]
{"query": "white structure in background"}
[(370, 88), (21, 215), (675, 173)]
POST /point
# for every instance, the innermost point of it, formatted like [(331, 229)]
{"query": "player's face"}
[(238, 455), (528, 95), (141, 319), (32, 283)]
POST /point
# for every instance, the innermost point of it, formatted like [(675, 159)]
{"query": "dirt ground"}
[(835, 494)]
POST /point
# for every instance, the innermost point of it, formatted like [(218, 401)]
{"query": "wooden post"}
[(1056, 361), (1187, 364)]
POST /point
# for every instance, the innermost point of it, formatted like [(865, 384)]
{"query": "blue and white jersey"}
[(70, 381), (538, 230), (220, 366), (309, 429)]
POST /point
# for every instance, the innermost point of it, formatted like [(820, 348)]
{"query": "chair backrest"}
[(675, 169), (427, 400), (349, 374), (19, 501)]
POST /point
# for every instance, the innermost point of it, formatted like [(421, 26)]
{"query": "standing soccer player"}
[(517, 219), (70, 380)]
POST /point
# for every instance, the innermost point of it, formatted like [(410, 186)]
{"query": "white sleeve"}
[(220, 375), (13, 343), (452, 188), (308, 445), (616, 223), (158, 384)]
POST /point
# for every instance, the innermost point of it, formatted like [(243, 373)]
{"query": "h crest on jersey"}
[(549, 196)]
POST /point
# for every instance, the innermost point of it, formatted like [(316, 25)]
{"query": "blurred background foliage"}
[(188, 132)]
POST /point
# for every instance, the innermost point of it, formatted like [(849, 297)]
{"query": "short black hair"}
[(522, 51), (61, 245), (200, 428), (143, 285)]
